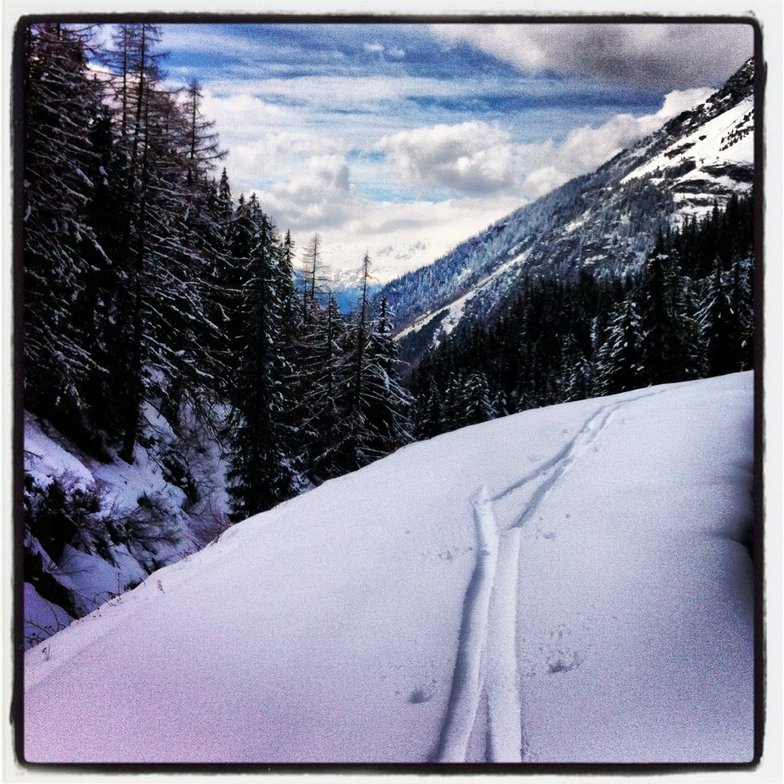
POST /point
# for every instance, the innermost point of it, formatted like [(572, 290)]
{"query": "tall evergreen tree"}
[(669, 332), (717, 322), (261, 473), (620, 359), (62, 105)]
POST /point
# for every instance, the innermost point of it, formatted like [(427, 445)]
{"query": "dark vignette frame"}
[(620, 769)]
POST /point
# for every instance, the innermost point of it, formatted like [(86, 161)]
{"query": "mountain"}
[(568, 584), (606, 221), (344, 285)]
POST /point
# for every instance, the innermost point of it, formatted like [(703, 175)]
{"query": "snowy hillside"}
[(94, 529), (566, 584), (607, 220)]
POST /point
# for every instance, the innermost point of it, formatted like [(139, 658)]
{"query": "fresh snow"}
[(46, 460), (42, 618), (93, 577), (566, 584), (710, 144)]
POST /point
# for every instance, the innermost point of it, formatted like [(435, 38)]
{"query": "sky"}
[(401, 140)]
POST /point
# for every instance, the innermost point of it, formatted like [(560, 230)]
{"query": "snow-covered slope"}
[(566, 584), (95, 528), (608, 219)]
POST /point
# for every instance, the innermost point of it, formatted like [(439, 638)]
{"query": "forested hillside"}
[(605, 222), (687, 313), (164, 325)]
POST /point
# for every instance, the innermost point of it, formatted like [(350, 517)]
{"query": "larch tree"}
[(62, 107)]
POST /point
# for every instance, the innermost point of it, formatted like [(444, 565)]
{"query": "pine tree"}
[(669, 333), (167, 152), (475, 400), (325, 427), (620, 362), (388, 404), (718, 322), (261, 472), (430, 412), (377, 409)]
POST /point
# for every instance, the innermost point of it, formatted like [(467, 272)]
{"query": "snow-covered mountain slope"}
[(605, 220), (95, 528), (565, 584), (344, 285)]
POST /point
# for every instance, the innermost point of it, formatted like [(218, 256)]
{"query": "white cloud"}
[(682, 100), (317, 198), (491, 174), (475, 158), (653, 55), (243, 110), (470, 158), (400, 237), (396, 53), (586, 148), (274, 156)]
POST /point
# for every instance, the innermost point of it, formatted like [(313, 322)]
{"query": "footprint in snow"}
[(422, 693), (563, 661)]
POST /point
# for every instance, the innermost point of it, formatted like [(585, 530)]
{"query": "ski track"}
[(467, 681), (487, 646)]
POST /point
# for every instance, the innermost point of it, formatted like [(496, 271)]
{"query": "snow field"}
[(562, 585), (708, 145)]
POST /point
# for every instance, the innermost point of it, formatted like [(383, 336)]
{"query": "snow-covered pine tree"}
[(474, 400), (718, 326), (324, 425), (197, 251), (313, 279), (377, 412), (261, 472), (742, 302), (388, 405), (430, 412), (166, 156), (620, 363), (62, 106), (669, 332)]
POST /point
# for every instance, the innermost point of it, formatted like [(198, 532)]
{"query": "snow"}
[(94, 580), (45, 460), (456, 309), (566, 584), (164, 530), (708, 144), (42, 618)]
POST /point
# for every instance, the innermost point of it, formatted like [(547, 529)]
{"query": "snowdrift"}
[(568, 584)]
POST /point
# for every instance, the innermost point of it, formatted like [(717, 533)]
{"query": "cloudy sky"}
[(403, 140)]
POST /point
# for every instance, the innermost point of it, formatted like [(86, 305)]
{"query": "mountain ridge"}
[(619, 209)]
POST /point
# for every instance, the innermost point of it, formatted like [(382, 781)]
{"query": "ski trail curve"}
[(487, 662), (577, 446)]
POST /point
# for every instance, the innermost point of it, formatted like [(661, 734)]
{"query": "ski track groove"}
[(490, 611), (467, 681)]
